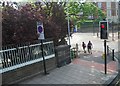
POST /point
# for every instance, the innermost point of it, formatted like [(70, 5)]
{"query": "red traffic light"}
[(103, 29), (102, 26)]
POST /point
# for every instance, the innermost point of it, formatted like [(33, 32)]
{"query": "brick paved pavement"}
[(98, 61), (80, 71), (111, 66), (96, 56)]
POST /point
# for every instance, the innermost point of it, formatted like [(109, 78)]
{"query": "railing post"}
[(113, 54), (29, 55), (97, 34)]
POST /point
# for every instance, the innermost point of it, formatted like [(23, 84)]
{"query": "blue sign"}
[(40, 29), (74, 30)]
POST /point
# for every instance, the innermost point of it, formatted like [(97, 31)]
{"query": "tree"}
[(87, 10), (20, 25), (56, 26)]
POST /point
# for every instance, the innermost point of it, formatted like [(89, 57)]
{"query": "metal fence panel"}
[(11, 56)]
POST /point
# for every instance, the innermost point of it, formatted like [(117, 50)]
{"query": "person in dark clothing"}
[(89, 46), (84, 46)]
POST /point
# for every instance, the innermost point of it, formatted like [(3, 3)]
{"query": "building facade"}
[(111, 10)]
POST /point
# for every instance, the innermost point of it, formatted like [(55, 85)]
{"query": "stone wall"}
[(62, 53)]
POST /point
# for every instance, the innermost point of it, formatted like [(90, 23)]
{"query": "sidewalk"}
[(82, 70), (113, 36)]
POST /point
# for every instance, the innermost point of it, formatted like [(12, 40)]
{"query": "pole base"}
[(46, 73)]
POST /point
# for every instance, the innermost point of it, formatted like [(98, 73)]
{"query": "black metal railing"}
[(11, 56), (115, 57), (110, 52)]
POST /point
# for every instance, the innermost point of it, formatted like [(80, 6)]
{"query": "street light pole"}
[(93, 26), (68, 25), (112, 31), (118, 22)]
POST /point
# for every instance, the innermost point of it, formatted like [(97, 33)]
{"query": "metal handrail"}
[(112, 51), (116, 56)]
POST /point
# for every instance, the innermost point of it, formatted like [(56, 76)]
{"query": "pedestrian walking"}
[(89, 46), (84, 46)]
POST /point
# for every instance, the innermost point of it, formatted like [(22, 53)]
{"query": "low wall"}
[(18, 74), (62, 54), (61, 58)]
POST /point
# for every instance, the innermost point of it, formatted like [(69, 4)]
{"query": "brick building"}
[(111, 10)]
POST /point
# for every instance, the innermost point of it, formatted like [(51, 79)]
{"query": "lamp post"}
[(112, 31), (68, 25), (118, 20), (93, 26)]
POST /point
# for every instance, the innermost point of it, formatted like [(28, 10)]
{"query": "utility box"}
[(62, 54)]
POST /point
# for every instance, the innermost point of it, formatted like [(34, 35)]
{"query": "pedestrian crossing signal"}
[(102, 26), (103, 29)]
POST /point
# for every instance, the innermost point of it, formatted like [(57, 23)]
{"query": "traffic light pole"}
[(105, 56), (104, 35)]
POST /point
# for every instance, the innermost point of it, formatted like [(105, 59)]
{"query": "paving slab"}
[(74, 77), (80, 71)]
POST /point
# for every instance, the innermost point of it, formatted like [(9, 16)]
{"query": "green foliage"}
[(19, 26), (88, 9), (57, 28)]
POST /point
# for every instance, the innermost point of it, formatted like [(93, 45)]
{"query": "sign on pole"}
[(40, 30)]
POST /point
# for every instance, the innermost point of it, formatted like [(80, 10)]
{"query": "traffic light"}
[(103, 30)]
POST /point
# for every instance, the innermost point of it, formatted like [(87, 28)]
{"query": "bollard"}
[(76, 50), (97, 35), (72, 54), (103, 56), (118, 35), (107, 50), (112, 36), (113, 54)]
